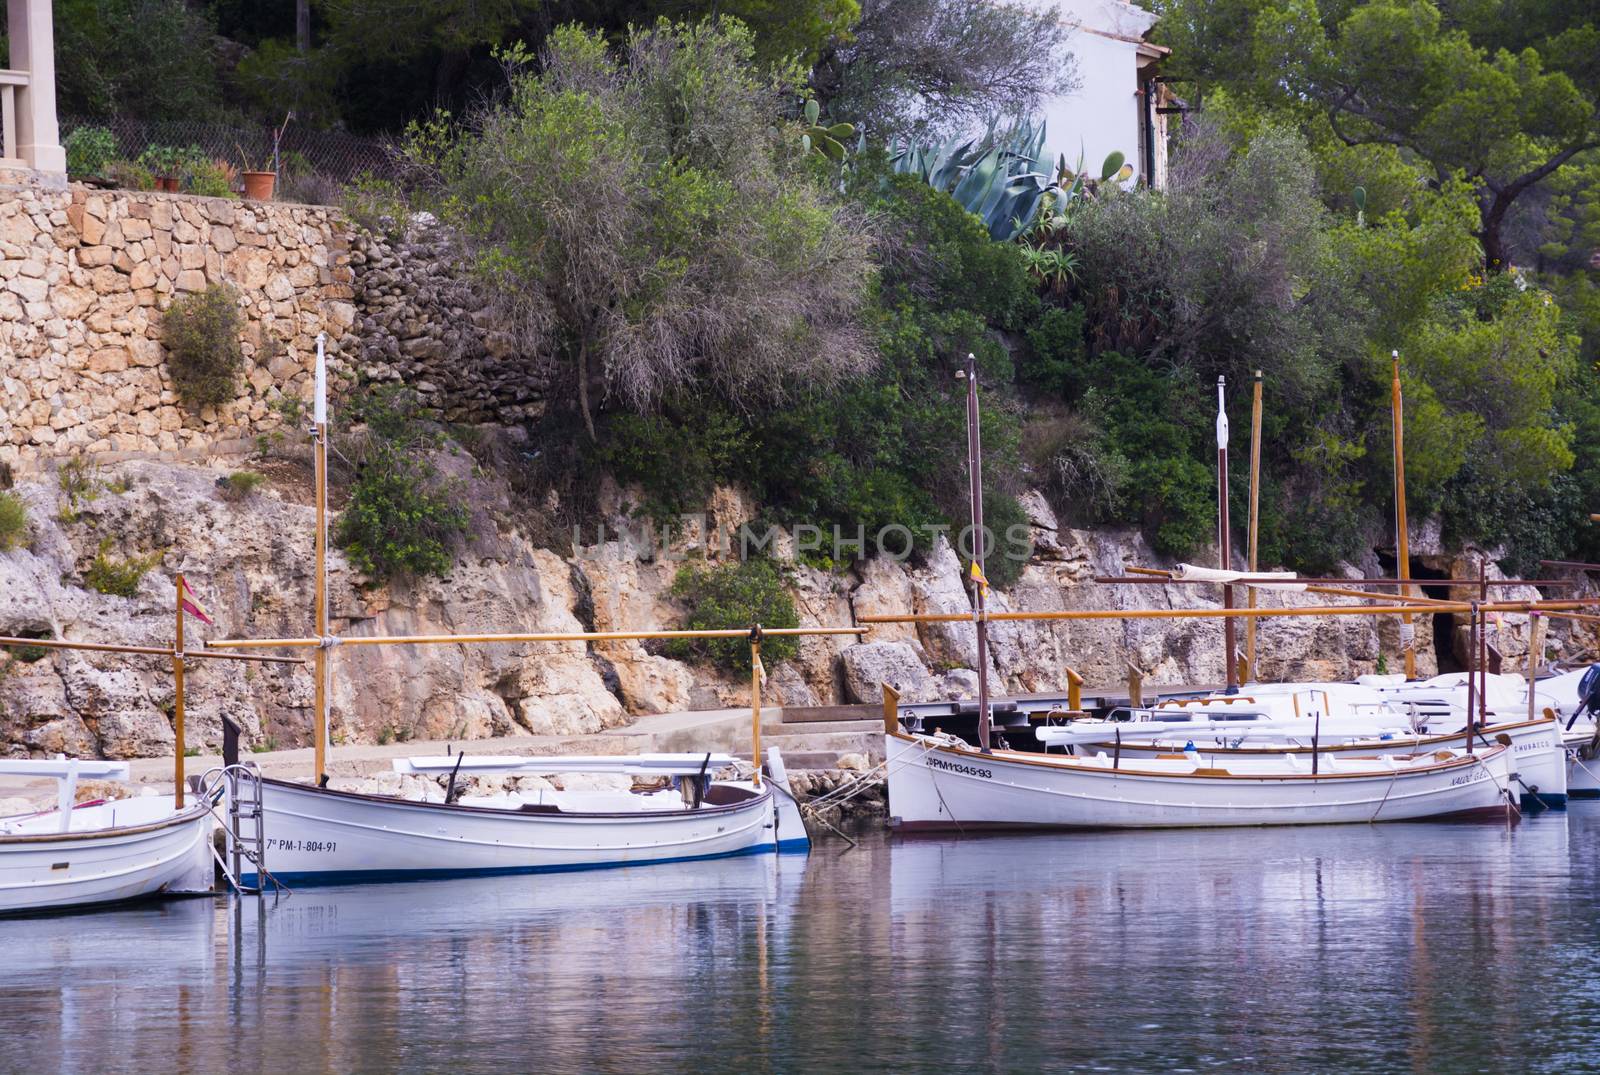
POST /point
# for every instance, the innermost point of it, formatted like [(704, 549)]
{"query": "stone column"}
[(33, 51)]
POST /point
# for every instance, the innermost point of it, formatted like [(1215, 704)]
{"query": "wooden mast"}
[(1535, 656), (756, 676), (1408, 635), (975, 483), (177, 698), (319, 449), (1224, 545), (1255, 521)]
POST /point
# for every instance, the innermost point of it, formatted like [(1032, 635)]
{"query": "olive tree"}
[(648, 223)]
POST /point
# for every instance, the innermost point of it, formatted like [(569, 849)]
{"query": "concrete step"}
[(822, 727)]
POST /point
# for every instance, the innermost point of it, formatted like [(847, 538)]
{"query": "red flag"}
[(191, 604)]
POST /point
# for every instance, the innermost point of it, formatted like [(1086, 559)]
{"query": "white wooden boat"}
[(1340, 720), (97, 853), (938, 782), (323, 836)]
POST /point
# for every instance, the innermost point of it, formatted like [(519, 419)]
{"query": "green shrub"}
[(89, 150), (79, 479), (208, 179), (13, 521), (118, 576), (402, 516), (240, 485), (377, 206), (130, 175), (201, 333), (676, 462), (161, 160), (30, 654), (734, 595), (1006, 519)]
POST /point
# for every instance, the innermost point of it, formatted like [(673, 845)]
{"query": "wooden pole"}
[(319, 440), (1219, 613), (557, 636), (154, 651), (891, 709), (755, 701), (1472, 676), (177, 698), (1362, 595), (1535, 655), (1225, 547), (975, 488), (1578, 616), (1255, 520), (1408, 634)]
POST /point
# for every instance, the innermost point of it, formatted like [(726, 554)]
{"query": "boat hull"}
[(945, 787), (331, 837), (42, 871)]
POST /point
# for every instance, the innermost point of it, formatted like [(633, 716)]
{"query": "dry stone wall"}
[(84, 278), (424, 322), (86, 274)]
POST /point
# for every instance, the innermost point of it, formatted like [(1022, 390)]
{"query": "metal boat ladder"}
[(244, 825), (247, 838)]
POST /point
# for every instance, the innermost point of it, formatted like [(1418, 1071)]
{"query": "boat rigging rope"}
[(1393, 779)]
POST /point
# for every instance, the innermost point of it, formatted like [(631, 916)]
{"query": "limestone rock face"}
[(251, 563), (869, 665)]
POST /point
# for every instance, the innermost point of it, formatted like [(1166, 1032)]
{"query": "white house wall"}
[(1102, 115)]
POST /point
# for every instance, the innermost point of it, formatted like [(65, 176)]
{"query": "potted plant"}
[(162, 161), (89, 150), (258, 182)]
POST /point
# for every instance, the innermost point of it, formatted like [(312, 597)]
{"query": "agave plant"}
[(1000, 180)]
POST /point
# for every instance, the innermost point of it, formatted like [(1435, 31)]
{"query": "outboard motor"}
[(1588, 695)]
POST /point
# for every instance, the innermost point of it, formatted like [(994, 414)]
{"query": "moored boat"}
[(95, 853), (938, 782), (325, 836)]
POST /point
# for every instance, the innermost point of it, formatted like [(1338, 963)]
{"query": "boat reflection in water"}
[(1351, 948)]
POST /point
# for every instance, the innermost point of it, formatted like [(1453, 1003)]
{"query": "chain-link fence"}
[(331, 156)]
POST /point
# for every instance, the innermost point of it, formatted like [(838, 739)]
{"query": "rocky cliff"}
[(250, 559)]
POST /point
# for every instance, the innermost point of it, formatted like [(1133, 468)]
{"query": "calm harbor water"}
[(1384, 948)]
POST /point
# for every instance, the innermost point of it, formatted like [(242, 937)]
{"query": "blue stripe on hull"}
[(800, 845), (361, 877), (1544, 800), (1583, 793)]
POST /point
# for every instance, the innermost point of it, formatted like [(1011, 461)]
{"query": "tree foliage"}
[(741, 594), (146, 58), (724, 265), (935, 66), (1502, 92)]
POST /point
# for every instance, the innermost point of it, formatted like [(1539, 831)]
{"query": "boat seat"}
[(726, 795), (539, 808)]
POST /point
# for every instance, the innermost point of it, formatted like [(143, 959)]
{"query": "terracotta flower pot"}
[(258, 185), (168, 183)]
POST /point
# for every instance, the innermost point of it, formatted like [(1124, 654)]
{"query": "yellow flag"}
[(977, 576)]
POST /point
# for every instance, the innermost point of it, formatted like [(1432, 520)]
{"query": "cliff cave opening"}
[(1443, 626)]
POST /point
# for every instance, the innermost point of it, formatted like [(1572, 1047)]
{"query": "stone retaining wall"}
[(85, 275), (424, 321), (84, 278)]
